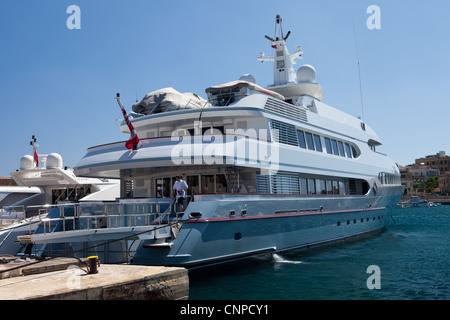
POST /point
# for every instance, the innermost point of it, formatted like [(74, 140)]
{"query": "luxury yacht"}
[(269, 169), (42, 185)]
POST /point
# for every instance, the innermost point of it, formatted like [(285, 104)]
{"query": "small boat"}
[(416, 202)]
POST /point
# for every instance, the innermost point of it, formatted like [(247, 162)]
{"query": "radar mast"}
[(283, 70)]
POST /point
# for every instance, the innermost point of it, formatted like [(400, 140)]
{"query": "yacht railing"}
[(91, 216), (11, 214)]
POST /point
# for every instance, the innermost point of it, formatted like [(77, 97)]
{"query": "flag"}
[(36, 158), (134, 141), (274, 46)]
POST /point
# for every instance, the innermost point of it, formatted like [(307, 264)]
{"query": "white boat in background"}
[(42, 184), (415, 202), (9, 195)]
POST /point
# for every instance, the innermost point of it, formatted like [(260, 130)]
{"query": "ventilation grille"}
[(262, 184), (285, 183), (284, 133), (285, 109), (127, 188)]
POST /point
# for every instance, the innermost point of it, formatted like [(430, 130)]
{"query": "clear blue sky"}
[(60, 84)]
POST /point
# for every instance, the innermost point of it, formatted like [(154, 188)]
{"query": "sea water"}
[(409, 259)]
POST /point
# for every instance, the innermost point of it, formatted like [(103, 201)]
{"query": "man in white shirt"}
[(179, 191)]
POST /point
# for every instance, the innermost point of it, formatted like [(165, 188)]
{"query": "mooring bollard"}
[(93, 263)]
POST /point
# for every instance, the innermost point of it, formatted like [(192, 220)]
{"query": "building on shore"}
[(415, 176), (7, 181), (438, 161), (444, 183)]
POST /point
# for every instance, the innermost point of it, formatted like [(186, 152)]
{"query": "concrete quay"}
[(63, 280)]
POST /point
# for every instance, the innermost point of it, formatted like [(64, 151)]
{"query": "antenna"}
[(279, 21), (359, 72)]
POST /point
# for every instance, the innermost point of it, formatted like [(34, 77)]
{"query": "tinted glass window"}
[(317, 143), (329, 187), (335, 147), (335, 187), (303, 186), (309, 141), (347, 151), (311, 186), (301, 139), (341, 149), (355, 153), (320, 186), (328, 145)]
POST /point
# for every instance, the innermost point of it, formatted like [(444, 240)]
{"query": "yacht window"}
[(317, 143), (329, 187), (221, 183), (301, 139), (335, 147), (193, 183), (311, 186), (303, 186), (280, 64), (355, 153), (213, 130), (335, 187), (341, 149), (208, 185), (280, 53), (225, 99), (341, 188), (328, 145), (309, 141), (320, 186), (347, 150), (163, 187)]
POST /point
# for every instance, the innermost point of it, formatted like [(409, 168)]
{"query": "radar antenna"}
[(283, 61), (278, 22)]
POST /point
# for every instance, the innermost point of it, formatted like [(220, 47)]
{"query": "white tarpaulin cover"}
[(168, 99), (236, 85)]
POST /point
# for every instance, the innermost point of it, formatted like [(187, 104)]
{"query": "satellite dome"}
[(306, 73), (248, 77), (54, 161), (26, 162)]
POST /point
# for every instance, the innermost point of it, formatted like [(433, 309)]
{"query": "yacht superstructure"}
[(269, 170)]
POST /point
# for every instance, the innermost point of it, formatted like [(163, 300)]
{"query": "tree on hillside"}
[(432, 184)]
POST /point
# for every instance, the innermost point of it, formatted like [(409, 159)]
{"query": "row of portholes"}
[(362, 220)]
